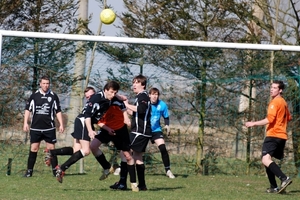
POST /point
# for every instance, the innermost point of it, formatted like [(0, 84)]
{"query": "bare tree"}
[(24, 60)]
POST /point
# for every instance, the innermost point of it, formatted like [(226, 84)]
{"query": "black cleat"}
[(118, 186), (272, 190), (28, 174), (142, 188), (59, 174), (284, 184)]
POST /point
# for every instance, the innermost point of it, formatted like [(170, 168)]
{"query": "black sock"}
[(164, 156), (62, 151), (103, 162), (123, 173), (277, 171), (54, 163), (271, 177), (31, 160), (132, 174), (140, 169), (73, 159)]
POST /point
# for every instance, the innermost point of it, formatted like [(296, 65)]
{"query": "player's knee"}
[(85, 152), (94, 147), (162, 148), (128, 157), (266, 159)]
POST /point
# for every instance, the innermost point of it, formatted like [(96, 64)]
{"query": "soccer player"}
[(114, 128), (160, 109), (44, 106), (277, 118), (140, 130), (83, 126)]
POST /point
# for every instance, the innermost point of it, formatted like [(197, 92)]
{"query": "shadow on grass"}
[(83, 190), (105, 189), (76, 174), (164, 188), (176, 175), (293, 192)]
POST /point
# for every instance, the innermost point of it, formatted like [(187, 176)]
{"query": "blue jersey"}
[(158, 110)]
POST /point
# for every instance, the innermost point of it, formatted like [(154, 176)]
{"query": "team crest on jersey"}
[(158, 107), (49, 99)]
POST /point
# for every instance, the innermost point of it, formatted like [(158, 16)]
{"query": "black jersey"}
[(140, 122), (96, 107), (117, 102), (44, 108)]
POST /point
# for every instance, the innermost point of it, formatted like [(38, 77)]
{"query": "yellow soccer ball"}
[(107, 16)]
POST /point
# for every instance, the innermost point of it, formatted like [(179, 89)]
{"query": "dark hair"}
[(112, 85), (88, 89), (140, 79), (44, 78), (280, 84), (154, 90)]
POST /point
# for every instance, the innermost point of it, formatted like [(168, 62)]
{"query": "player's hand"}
[(249, 124), (126, 102), (121, 97), (25, 127), (112, 132), (128, 122), (61, 129), (168, 130), (92, 134)]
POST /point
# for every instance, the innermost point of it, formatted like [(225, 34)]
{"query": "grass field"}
[(87, 186), (187, 185)]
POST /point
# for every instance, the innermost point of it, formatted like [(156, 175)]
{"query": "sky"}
[(94, 9), (101, 62)]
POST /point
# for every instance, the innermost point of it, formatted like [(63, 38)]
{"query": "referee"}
[(44, 105)]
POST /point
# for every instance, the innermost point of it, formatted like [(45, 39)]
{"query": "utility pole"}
[(76, 96)]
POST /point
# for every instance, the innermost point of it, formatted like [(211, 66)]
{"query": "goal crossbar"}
[(167, 42)]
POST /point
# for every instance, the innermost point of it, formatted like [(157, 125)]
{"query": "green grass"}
[(87, 186), (227, 183)]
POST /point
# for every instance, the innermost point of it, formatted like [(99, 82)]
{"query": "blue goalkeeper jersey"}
[(158, 110)]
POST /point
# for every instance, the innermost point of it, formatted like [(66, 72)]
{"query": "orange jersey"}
[(278, 117), (113, 118)]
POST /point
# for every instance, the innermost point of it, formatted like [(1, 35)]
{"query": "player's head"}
[(110, 89), (154, 95), (139, 83), (88, 92), (280, 84), (45, 83), (277, 88)]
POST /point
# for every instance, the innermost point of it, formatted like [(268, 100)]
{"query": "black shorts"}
[(139, 142), (48, 136), (80, 130), (120, 140), (274, 147), (156, 135)]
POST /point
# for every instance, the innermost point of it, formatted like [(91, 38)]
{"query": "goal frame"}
[(168, 42)]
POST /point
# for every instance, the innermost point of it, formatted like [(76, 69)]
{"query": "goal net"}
[(211, 89)]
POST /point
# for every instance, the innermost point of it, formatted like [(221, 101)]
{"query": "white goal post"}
[(268, 47)]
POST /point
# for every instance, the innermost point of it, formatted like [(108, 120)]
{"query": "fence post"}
[(179, 140), (9, 166)]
